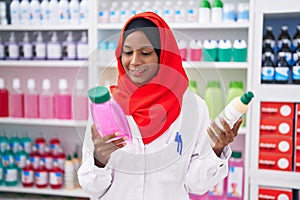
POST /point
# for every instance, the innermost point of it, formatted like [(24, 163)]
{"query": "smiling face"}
[(139, 58)]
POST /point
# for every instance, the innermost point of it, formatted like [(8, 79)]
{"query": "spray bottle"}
[(69, 47), (26, 48), (12, 47), (2, 50), (39, 47), (82, 47), (54, 50)]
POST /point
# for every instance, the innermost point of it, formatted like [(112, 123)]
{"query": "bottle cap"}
[(236, 154), (16, 83), (284, 28), (30, 84), (26, 37), (236, 84), (269, 28), (205, 4), (246, 98), (217, 4), (62, 84), (46, 84), (213, 84), (193, 83), (1, 83), (99, 94)]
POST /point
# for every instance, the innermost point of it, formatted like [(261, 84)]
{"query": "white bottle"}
[(63, 7), (192, 11), (204, 11), (45, 12), (125, 11), (24, 12), (13, 47), (2, 50), (103, 15), (69, 47), (82, 47), (169, 11), (39, 47), (84, 12), (31, 106), (74, 10), (158, 8), (35, 12), (114, 12), (80, 103), (26, 48), (15, 12), (217, 11), (53, 12), (54, 50), (69, 178), (180, 12)]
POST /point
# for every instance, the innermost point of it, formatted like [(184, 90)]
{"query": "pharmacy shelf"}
[(278, 92), (44, 63), (189, 25), (44, 122), (43, 28), (45, 191), (284, 179)]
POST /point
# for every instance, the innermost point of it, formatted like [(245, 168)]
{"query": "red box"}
[(273, 161), (276, 144), (276, 126), (297, 164), (272, 193), (277, 109)]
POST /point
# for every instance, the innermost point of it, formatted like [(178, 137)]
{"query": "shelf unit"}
[(269, 92)]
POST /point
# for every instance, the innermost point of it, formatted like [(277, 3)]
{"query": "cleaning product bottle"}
[(60, 158), (214, 98), (62, 99), (7, 156), (2, 50), (11, 174), (46, 101), (20, 160), (84, 12), (26, 48), (3, 142), (40, 143), (224, 51), (82, 47), (69, 47), (217, 11), (195, 50), (56, 177), (47, 158), (54, 50), (64, 12), (4, 94), (35, 12), (41, 175), (45, 12), (25, 142), (192, 11), (39, 47), (74, 12), (25, 12), (14, 143), (15, 12), (1, 173), (239, 53), (210, 50), (80, 102), (55, 145), (54, 17), (235, 109), (108, 116), (182, 45), (69, 179), (77, 164), (27, 175), (34, 157), (31, 106), (204, 11), (12, 47), (16, 100)]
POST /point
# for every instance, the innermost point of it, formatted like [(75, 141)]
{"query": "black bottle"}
[(268, 48), (296, 37), (296, 70), (269, 36), (267, 69), (287, 51), (296, 50), (282, 70), (284, 35)]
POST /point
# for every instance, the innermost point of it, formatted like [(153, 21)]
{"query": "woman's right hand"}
[(105, 146)]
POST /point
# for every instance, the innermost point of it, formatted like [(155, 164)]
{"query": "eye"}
[(146, 53), (126, 52)]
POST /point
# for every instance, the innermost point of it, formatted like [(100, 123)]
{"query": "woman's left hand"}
[(221, 138)]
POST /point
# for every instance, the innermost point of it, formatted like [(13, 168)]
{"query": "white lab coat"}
[(162, 170)]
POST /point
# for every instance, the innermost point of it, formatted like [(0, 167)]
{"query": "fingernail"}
[(117, 133), (125, 138)]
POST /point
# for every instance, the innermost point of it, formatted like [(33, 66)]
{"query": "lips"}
[(137, 73)]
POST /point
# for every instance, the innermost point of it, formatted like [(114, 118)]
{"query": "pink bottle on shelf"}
[(31, 100), (3, 99), (195, 50), (235, 178), (16, 100), (80, 102), (108, 116), (46, 101), (63, 101), (182, 45)]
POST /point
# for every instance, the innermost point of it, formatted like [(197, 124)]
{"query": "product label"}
[(217, 190), (27, 176), (296, 73), (56, 178), (11, 175), (54, 51), (41, 178), (13, 51), (82, 51), (282, 73), (21, 161), (27, 51), (235, 182), (191, 15), (48, 162), (267, 73), (2, 51), (40, 50)]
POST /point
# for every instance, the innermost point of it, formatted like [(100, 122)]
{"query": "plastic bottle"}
[(3, 142), (39, 47), (235, 180), (195, 50), (296, 51), (45, 18), (15, 12), (193, 86), (214, 98), (41, 175), (124, 10), (204, 11), (192, 11), (180, 11), (169, 11), (269, 36), (217, 11), (56, 177), (182, 45), (47, 158), (103, 15), (284, 34), (31, 98), (26, 143), (82, 47), (296, 71), (35, 12), (210, 50), (3, 15), (240, 51), (84, 12), (114, 12), (24, 12), (296, 37), (64, 12), (34, 157), (26, 48), (74, 10), (54, 49), (63, 101), (46, 101), (20, 160), (4, 95), (108, 116), (14, 143), (60, 158), (27, 178), (69, 47), (1, 173), (80, 102), (2, 50), (55, 145), (282, 70), (224, 51), (69, 179), (77, 163), (287, 51), (54, 17), (234, 110), (242, 12), (40, 143), (11, 174), (13, 47), (7, 156), (229, 11)]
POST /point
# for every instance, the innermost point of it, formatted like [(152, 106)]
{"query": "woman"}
[(171, 154)]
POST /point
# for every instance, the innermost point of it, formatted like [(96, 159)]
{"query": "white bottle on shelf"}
[(80, 101), (39, 47), (192, 11), (69, 47), (26, 48), (2, 50), (125, 10), (35, 12), (45, 12), (69, 178), (84, 12), (103, 15), (25, 12), (74, 12), (13, 47), (82, 47), (15, 12), (54, 50), (180, 11), (64, 12), (53, 12)]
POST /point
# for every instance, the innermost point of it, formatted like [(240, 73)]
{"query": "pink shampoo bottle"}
[(46, 101), (16, 100), (31, 100), (108, 116), (63, 101)]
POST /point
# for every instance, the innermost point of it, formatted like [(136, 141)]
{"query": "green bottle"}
[(20, 160), (11, 174), (7, 156), (14, 143), (193, 86), (26, 143), (3, 142), (1, 170), (214, 98)]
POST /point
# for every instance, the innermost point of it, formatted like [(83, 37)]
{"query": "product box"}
[(275, 161), (277, 109), (274, 193), (297, 164), (276, 144), (276, 126)]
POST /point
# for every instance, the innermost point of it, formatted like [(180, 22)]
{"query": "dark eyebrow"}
[(143, 47)]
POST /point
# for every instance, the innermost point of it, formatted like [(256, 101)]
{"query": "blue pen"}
[(178, 139)]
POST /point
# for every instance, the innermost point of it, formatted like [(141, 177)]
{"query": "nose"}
[(135, 60)]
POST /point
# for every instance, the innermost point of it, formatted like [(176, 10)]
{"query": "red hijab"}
[(155, 105)]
